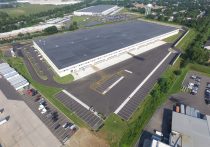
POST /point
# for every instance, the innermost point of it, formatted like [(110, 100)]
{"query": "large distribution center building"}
[(97, 10), (74, 52)]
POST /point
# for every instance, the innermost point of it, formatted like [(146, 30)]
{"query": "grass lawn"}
[(113, 129), (46, 91), (27, 9), (172, 38), (79, 19), (187, 40), (63, 80)]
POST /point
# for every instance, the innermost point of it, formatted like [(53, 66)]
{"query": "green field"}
[(27, 9), (79, 19), (63, 80), (187, 40)]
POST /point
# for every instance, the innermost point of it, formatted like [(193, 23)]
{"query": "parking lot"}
[(161, 120), (52, 118), (195, 100), (88, 116), (139, 67), (49, 115)]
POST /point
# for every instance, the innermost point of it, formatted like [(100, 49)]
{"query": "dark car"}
[(37, 99), (55, 116), (57, 126), (208, 85), (198, 79)]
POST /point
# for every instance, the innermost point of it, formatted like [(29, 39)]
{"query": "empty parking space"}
[(105, 85), (86, 115), (128, 109)]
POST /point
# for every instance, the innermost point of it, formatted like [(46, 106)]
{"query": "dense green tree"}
[(51, 30), (73, 26)]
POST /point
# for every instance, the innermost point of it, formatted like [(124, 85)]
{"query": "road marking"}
[(76, 99), (114, 84), (128, 71), (141, 84), (79, 101)]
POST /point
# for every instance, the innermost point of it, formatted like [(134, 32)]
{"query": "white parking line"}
[(80, 102), (141, 84), (76, 99), (115, 83), (128, 71)]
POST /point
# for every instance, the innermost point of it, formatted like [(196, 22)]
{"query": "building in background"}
[(97, 10), (58, 22), (189, 131), (148, 9), (50, 2)]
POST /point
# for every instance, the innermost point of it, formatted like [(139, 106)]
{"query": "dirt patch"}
[(5, 48), (85, 138)]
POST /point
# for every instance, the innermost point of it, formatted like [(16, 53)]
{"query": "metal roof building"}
[(188, 131), (74, 51), (15, 79)]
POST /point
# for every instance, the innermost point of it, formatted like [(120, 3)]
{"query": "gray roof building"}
[(188, 131), (97, 8), (74, 47)]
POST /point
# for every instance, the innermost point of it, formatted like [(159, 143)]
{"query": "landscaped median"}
[(187, 40), (63, 80)]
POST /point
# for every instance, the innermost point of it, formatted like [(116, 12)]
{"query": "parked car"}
[(198, 79), (193, 92), (37, 99), (67, 125), (208, 85), (41, 107), (193, 77), (54, 116), (41, 100), (31, 92), (49, 115), (190, 85), (57, 126), (44, 110)]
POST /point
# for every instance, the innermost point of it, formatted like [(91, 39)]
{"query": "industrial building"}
[(189, 131), (189, 128), (97, 10), (74, 52), (58, 22), (14, 78)]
